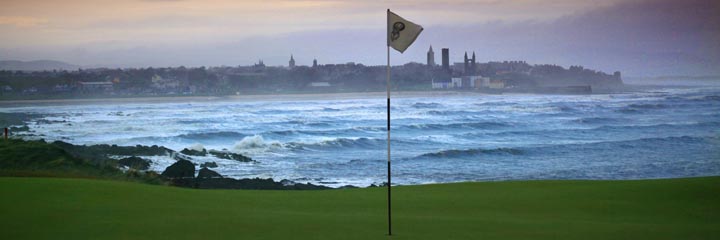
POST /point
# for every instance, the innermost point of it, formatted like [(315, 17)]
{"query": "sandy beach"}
[(239, 98)]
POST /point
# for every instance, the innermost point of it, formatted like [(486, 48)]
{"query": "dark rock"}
[(247, 183), (180, 169), (209, 165), (181, 157), (99, 154), (135, 163), (193, 152), (207, 173), (230, 156)]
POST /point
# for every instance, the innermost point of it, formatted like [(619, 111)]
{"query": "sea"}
[(659, 132)]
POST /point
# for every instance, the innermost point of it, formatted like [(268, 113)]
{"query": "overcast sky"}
[(639, 37)]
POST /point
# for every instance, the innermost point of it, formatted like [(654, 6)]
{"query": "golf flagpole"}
[(388, 142), (401, 34)]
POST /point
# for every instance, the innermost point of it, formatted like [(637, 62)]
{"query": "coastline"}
[(240, 98)]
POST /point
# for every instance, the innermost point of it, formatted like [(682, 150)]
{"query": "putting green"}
[(54, 208)]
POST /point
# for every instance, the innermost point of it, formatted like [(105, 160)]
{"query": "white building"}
[(496, 84), (469, 82), (440, 85), (456, 82), (104, 86), (164, 83)]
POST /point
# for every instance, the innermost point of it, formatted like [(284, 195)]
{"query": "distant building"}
[(469, 65), (466, 64), (291, 64), (469, 82), (430, 57), (496, 84), (314, 63), (92, 86), (446, 59), (456, 82), (473, 65), (480, 81), (441, 84), (159, 82)]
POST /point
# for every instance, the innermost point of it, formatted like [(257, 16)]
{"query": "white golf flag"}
[(401, 33)]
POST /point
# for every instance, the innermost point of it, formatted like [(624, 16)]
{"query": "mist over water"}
[(659, 133)]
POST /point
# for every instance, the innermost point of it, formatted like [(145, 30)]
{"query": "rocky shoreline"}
[(89, 161), (132, 160)]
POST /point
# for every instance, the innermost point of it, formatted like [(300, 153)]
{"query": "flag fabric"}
[(401, 33)]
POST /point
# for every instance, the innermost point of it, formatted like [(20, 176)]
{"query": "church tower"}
[(473, 65), (314, 63), (430, 57), (465, 66), (292, 62)]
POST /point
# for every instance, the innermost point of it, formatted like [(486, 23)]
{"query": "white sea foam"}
[(255, 144), (197, 147)]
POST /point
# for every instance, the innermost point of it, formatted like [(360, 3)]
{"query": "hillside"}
[(38, 65)]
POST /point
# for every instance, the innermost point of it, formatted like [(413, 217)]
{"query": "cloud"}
[(638, 37), (21, 22)]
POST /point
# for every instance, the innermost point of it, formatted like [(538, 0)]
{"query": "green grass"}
[(53, 208)]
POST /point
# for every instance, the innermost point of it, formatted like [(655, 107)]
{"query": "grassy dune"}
[(51, 208)]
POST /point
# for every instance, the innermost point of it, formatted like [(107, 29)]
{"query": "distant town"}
[(467, 75)]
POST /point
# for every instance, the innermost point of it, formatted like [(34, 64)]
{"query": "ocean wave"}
[(600, 120), (329, 132), (212, 135), (711, 98), (642, 107), (450, 112), (564, 108), (694, 98), (458, 153), (648, 106), (254, 143), (308, 123), (346, 164), (340, 143), (426, 105), (465, 125), (596, 132), (617, 148), (634, 146)]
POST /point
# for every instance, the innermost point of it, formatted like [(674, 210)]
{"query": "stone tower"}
[(430, 57), (446, 59)]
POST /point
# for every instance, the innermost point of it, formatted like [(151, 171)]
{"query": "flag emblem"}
[(397, 27), (401, 33)]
